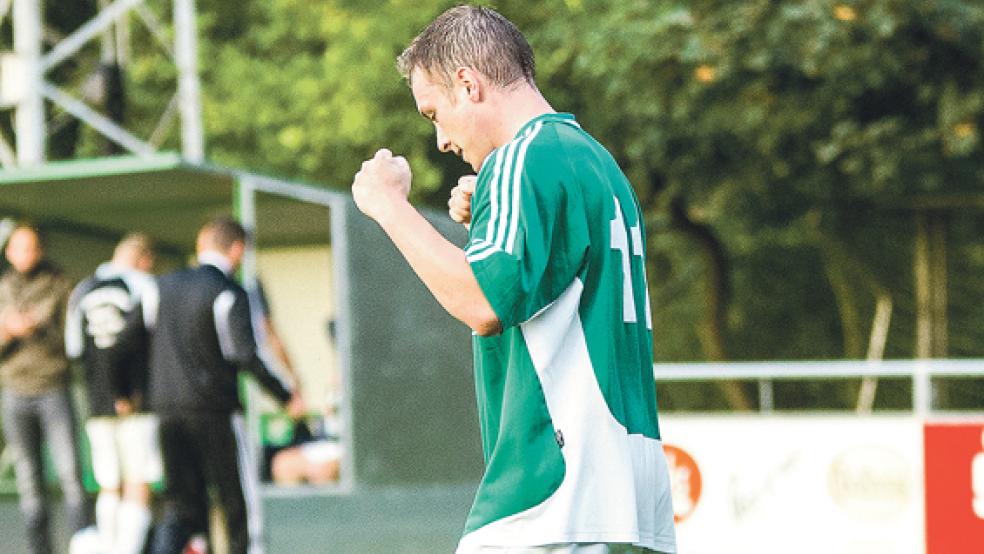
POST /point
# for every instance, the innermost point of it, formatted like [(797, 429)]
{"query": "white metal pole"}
[(246, 199), (766, 396), (29, 117), (922, 388), (189, 88)]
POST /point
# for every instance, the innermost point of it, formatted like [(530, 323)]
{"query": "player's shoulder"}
[(228, 285), (190, 277), (539, 143), (139, 283), (86, 284), (82, 288), (555, 129), (220, 281), (551, 143)]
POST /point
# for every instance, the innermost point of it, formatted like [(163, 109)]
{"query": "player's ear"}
[(236, 251), (470, 83)]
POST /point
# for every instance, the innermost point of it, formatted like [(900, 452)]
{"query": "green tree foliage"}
[(795, 132), (779, 148), (309, 90)]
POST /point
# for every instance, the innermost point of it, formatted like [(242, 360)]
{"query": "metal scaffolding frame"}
[(32, 65)]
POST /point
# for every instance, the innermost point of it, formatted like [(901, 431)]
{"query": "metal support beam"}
[(155, 27), (29, 118), (767, 397), (97, 121), (111, 23), (301, 193), (4, 9), (922, 389), (189, 88), (74, 42), (164, 123), (246, 212), (8, 158)]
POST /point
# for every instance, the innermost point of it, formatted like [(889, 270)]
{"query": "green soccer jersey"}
[(565, 394)]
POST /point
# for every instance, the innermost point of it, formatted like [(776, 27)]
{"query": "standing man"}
[(34, 372), (106, 330), (202, 339), (269, 346), (552, 281)]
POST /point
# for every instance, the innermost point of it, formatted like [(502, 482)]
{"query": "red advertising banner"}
[(954, 487)]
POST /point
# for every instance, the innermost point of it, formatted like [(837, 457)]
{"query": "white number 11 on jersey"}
[(620, 241)]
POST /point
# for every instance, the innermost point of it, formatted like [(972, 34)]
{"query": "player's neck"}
[(516, 107)]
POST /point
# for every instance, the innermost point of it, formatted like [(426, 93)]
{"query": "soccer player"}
[(106, 329), (552, 281)]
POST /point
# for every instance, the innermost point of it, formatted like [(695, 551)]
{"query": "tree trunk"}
[(929, 267), (848, 275), (716, 296), (845, 290)]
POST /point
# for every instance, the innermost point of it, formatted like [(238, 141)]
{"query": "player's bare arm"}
[(380, 191)]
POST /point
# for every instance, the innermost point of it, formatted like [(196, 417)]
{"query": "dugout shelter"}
[(354, 317)]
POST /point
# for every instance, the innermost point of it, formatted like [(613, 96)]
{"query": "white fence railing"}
[(921, 372)]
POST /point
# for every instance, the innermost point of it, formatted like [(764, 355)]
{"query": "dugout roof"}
[(408, 391), (162, 195)]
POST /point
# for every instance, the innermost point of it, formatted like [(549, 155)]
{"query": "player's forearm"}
[(441, 266), (278, 349), (277, 388)]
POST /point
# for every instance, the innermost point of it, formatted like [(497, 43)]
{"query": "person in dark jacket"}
[(34, 373), (122, 437), (201, 340)]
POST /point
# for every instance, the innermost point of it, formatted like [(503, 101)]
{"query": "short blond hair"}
[(222, 232), (139, 244), (470, 36)]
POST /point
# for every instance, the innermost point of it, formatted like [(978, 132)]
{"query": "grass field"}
[(391, 521)]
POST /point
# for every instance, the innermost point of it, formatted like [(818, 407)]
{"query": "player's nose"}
[(443, 142)]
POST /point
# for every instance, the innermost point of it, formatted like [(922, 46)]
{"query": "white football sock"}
[(107, 508), (134, 522)]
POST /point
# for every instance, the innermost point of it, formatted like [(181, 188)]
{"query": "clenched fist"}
[(382, 181), (459, 205)]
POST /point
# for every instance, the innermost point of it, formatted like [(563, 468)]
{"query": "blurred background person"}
[(201, 339), (34, 372), (269, 346), (314, 455), (106, 330)]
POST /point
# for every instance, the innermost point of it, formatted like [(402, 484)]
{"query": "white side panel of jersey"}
[(616, 486)]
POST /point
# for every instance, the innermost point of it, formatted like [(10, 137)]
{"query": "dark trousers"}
[(205, 452), (29, 421)]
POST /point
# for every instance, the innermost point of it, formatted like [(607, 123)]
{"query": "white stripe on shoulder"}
[(500, 195), (504, 204), (220, 311), (478, 248), (494, 194), (481, 255), (502, 198), (517, 183), (150, 301)]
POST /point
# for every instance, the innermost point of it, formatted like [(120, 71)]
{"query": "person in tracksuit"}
[(122, 436), (201, 340)]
